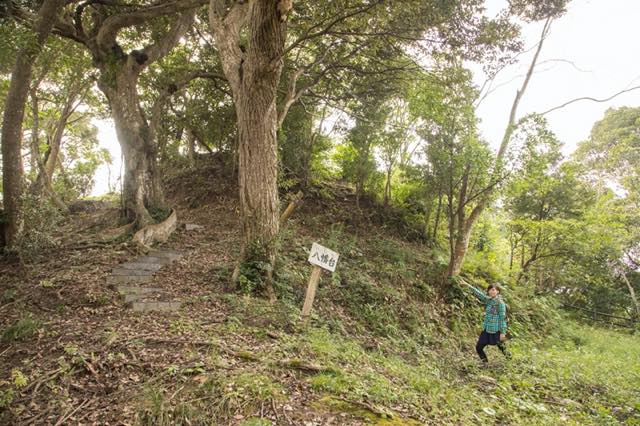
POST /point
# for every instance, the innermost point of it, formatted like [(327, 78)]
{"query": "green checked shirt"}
[(495, 313)]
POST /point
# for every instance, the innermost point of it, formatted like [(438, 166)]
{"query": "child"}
[(494, 330)]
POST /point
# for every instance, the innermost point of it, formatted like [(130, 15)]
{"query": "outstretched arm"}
[(479, 294)]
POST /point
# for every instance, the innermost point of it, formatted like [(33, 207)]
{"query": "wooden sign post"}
[(321, 258)]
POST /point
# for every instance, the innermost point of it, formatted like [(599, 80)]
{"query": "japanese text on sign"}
[(323, 257)]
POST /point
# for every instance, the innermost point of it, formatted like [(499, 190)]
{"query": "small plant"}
[(19, 379), (9, 295), (21, 330), (47, 284)]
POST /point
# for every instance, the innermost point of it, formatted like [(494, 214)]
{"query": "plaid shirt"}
[(495, 314)]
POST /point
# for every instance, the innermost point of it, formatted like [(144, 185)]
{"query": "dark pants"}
[(490, 339)]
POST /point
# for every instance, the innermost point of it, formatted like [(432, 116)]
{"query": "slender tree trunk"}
[(512, 249), (387, 188), (438, 214), (427, 219), (14, 107), (34, 157), (632, 293), (47, 167), (42, 181)]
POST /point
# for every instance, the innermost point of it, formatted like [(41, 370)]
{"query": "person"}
[(494, 327)]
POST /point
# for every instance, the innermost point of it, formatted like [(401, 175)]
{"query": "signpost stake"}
[(311, 291)]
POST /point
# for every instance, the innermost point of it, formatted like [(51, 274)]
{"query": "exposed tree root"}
[(157, 232)]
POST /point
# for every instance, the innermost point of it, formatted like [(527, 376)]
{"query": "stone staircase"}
[(129, 278)]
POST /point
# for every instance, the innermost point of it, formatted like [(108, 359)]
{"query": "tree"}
[(351, 38), (252, 66), (545, 197), (395, 143), (467, 221), (14, 108), (104, 32), (610, 158), (613, 149), (63, 83)]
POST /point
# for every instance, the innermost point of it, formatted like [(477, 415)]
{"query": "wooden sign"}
[(320, 257), (323, 257)]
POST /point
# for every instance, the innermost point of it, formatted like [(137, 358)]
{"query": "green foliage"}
[(40, 221), (21, 330), (159, 213), (254, 269)]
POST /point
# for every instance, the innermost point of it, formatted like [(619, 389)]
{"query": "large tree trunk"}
[(253, 74), (257, 178), (12, 122), (142, 188), (462, 242)]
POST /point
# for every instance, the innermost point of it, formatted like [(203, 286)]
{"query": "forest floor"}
[(73, 353)]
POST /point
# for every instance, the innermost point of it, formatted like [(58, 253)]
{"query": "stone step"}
[(142, 266), (153, 259), (132, 294), (166, 254), (155, 306), (127, 289), (131, 272), (124, 279)]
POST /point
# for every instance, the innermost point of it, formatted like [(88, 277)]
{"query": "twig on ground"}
[(275, 411), (68, 415), (304, 366), (284, 412), (247, 356), (37, 383), (375, 410)]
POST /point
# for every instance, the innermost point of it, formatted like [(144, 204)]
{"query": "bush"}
[(40, 220)]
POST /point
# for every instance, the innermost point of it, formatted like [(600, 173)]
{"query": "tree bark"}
[(139, 155), (12, 122), (436, 224), (253, 74)]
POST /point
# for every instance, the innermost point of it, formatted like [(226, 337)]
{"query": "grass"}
[(391, 358), (21, 330)]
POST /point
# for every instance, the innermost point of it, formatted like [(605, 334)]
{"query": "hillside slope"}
[(385, 344)]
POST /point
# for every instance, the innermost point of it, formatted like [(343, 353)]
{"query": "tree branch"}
[(163, 46), (113, 24), (588, 98)]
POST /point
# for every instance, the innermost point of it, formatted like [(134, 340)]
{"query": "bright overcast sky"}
[(592, 50), (600, 39)]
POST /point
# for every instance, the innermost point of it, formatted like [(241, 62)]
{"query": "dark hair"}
[(490, 286)]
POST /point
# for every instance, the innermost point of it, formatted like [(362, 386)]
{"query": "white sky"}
[(599, 37), (601, 40)]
